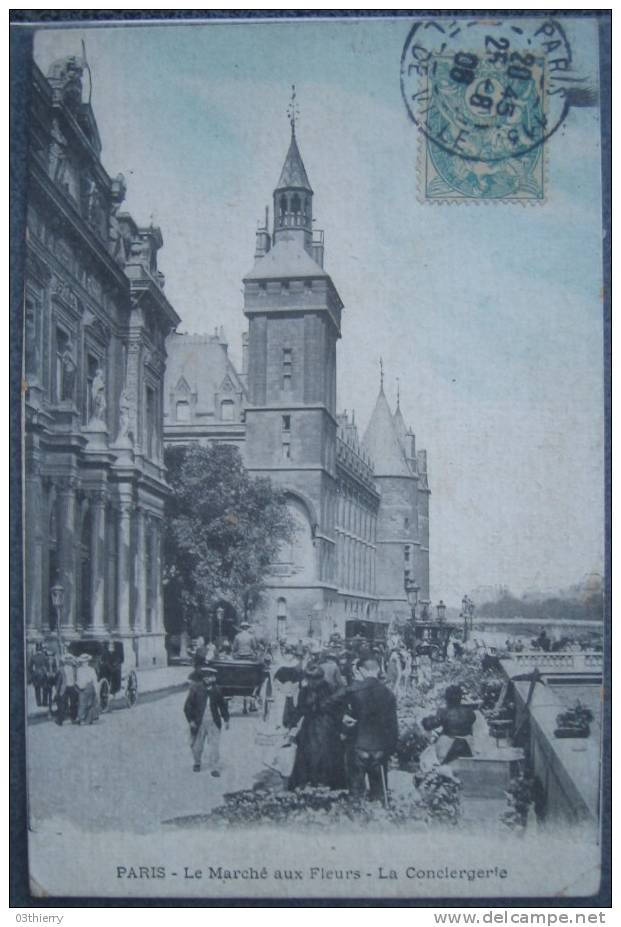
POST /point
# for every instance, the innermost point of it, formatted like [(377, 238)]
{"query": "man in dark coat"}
[(205, 709), (39, 669), (371, 717)]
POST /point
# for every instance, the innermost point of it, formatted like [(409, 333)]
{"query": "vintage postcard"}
[(313, 457)]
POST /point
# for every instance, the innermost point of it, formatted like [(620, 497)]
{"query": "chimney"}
[(264, 242)]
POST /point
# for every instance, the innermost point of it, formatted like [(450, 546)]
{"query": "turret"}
[(293, 196)]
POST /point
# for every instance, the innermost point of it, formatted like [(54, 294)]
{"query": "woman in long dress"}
[(319, 759)]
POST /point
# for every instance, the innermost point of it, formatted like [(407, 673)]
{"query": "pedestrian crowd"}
[(65, 684)]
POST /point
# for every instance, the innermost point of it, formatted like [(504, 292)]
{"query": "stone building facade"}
[(360, 506), (95, 326)]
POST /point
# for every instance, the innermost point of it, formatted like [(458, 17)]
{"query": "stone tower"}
[(391, 447), (294, 316)]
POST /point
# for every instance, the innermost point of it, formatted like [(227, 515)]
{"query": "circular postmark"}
[(486, 90)]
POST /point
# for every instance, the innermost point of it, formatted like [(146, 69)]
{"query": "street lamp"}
[(58, 597), (411, 590), (441, 610)]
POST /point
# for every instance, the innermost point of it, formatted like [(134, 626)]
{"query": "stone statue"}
[(68, 365), (125, 407), (98, 396)]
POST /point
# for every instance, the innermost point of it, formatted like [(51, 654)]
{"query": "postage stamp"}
[(314, 586), (486, 95)]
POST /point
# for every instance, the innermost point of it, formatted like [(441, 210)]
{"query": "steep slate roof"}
[(293, 173), (400, 426), (288, 258), (201, 361), (382, 443)]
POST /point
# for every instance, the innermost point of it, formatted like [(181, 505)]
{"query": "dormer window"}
[(182, 411), (227, 410)]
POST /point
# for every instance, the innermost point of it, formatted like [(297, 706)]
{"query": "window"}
[(286, 423), (295, 204), (32, 339), (182, 411), (92, 365), (150, 421), (406, 554), (287, 368), (286, 450), (406, 523), (283, 205), (227, 410)]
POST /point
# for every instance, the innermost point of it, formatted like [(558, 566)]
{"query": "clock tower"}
[(294, 316)]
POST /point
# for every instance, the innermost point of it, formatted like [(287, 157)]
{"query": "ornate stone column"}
[(124, 600), (139, 571), (98, 561), (158, 623), (66, 489)]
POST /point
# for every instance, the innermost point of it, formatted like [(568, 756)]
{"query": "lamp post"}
[(411, 590), (441, 610), (58, 597), (220, 619)]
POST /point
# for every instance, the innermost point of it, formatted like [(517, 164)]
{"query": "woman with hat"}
[(455, 722), (86, 684), (319, 759)]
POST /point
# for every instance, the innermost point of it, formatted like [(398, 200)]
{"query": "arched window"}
[(283, 205), (227, 410), (296, 205)]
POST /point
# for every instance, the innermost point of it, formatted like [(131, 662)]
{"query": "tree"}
[(223, 529)]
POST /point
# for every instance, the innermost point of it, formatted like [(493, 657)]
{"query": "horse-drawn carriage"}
[(108, 658), (249, 679), (431, 639)]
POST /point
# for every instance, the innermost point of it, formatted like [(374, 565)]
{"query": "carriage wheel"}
[(104, 695), (131, 690)]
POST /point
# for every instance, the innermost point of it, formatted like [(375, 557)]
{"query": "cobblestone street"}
[(133, 768)]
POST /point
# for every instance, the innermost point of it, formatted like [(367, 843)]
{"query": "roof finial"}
[(381, 363), (293, 110), (398, 392)]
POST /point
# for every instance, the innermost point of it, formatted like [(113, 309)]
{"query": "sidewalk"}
[(150, 682)]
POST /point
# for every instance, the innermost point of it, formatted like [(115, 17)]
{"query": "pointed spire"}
[(382, 442), (293, 110), (293, 173)]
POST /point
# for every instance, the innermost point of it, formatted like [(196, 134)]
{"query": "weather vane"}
[(381, 363), (398, 392), (293, 110)]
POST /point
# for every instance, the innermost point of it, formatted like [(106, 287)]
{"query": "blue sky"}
[(490, 315)]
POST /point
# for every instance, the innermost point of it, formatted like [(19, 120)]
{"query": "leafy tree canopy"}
[(223, 528)]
